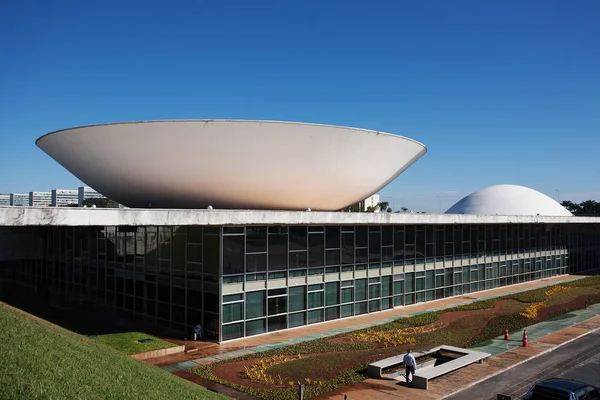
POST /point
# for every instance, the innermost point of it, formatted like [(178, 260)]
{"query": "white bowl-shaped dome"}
[(508, 200), (232, 164)]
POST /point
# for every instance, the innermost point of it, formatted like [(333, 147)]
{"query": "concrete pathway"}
[(208, 353)]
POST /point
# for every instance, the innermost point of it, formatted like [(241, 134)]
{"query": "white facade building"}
[(40, 199), (19, 199), (371, 201), (5, 199), (64, 197)]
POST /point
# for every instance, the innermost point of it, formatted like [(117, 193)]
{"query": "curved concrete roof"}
[(232, 164), (508, 200)]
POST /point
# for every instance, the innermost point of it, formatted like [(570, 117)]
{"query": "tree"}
[(585, 208), (101, 202), (572, 207)]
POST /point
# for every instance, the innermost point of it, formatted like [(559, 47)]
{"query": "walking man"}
[(410, 365)]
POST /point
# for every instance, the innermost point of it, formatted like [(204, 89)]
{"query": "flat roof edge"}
[(59, 216)]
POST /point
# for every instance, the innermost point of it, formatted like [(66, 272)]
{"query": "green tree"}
[(585, 208)]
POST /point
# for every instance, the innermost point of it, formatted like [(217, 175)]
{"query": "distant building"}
[(372, 201), (4, 199), (40, 199), (19, 199), (64, 197), (86, 192)]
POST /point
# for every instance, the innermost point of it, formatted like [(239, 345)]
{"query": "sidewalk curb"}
[(521, 362)]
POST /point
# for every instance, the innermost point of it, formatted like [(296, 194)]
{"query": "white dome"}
[(508, 200)]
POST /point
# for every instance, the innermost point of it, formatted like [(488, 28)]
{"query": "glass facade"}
[(247, 280)]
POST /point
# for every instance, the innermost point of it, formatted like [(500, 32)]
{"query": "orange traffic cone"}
[(506, 335), (525, 340)]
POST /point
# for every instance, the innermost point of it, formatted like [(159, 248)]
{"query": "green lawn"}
[(39, 360), (129, 342)]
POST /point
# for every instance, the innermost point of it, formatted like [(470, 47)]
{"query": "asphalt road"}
[(578, 360)]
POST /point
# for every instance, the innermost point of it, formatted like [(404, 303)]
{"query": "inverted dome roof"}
[(508, 200), (232, 164)]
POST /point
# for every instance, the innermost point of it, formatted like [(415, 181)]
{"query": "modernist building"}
[(5, 199), (64, 197), (19, 199), (40, 199), (242, 273)]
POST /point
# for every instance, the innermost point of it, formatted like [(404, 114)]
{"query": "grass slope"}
[(43, 361), (128, 342)]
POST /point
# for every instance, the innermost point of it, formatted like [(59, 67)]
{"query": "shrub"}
[(531, 312)]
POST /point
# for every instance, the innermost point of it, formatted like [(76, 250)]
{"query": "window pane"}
[(386, 286), (315, 299), (233, 255), (347, 310), (297, 298), (360, 289), (315, 316), (347, 248), (256, 262), (297, 319), (332, 237), (332, 313), (409, 282), (277, 323), (278, 252), (298, 238), (233, 331), (374, 291), (233, 312), (347, 295), (316, 250), (332, 293), (255, 327), (277, 305), (255, 304), (256, 239)]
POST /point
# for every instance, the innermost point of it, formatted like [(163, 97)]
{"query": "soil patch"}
[(443, 321), (575, 304)]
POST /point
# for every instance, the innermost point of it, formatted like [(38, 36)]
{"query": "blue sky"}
[(499, 91)]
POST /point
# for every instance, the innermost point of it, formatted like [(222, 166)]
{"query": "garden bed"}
[(329, 363)]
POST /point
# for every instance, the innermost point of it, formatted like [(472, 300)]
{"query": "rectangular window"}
[(277, 305), (315, 299), (347, 248), (233, 331), (256, 239), (348, 295), (297, 319), (298, 238), (315, 316), (386, 286), (360, 289), (255, 327), (316, 250), (297, 298), (332, 237), (332, 293), (233, 255), (255, 304), (233, 312), (278, 252)]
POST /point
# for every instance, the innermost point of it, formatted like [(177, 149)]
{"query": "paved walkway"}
[(208, 353), (545, 336)]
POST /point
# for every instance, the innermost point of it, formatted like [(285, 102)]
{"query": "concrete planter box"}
[(159, 353)]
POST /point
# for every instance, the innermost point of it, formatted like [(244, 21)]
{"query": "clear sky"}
[(499, 91)]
